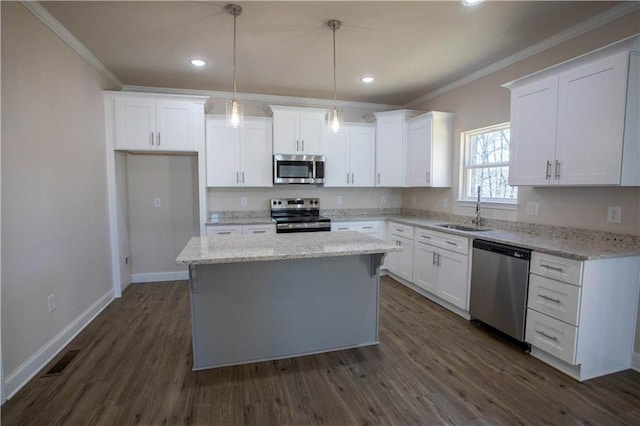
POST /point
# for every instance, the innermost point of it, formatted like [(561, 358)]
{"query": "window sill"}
[(495, 205)]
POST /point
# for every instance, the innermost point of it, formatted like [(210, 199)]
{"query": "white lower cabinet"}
[(581, 315), (441, 266), (375, 228), (217, 230), (400, 263)]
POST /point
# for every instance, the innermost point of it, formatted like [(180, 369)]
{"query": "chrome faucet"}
[(478, 220)]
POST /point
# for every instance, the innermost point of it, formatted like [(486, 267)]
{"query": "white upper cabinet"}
[(149, 123), (350, 156), (297, 130), (238, 157), (429, 146), (577, 123), (391, 147)]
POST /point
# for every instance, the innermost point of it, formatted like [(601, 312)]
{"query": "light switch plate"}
[(532, 208), (339, 199), (243, 201), (383, 199)]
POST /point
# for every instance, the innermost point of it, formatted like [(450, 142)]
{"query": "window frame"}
[(465, 167)]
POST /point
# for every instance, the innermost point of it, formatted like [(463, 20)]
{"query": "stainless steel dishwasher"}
[(499, 286)]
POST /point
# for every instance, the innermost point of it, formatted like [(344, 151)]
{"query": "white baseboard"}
[(635, 362), (159, 276), (25, 372)]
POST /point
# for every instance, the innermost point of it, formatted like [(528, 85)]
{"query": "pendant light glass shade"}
[(235, 115), (334, 116)]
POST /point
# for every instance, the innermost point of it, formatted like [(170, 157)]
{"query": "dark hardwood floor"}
[(431, 367)]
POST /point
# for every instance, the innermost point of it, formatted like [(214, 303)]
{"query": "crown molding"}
[(272, 99), (566, 35), (58, 29)]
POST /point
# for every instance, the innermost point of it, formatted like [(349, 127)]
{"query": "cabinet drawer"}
[(552, 336), (258, 229), (558, 268), (401, 229), (213, 231), (556, 299), (443, 240)]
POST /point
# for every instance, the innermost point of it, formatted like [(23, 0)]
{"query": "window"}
[(486, 165)]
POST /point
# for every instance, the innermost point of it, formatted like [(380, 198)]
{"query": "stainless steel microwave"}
[(293, 168)]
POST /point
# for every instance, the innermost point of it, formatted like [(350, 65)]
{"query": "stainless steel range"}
[(298, 215)]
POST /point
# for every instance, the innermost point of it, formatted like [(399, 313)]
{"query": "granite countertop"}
[(571, 243), (262, 247)]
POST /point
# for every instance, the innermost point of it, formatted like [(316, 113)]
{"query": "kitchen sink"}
[(461, 227)]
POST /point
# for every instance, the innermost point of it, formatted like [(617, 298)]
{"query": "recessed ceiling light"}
[(367, 79), (471, 2), (198, 62)]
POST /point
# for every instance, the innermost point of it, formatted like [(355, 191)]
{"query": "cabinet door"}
[(221, 230), (312, 125), (258, 229), (135, 124), (175, 126), (286, 130), (419, 152), (390, 152), (362, 156), (453, 278), (591, 113), (405, 260), (425, 270), (533, 132), (222, 154), (256, 161), (335, 147)]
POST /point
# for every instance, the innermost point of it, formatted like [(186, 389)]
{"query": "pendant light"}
[(235, 114), (334, 117)]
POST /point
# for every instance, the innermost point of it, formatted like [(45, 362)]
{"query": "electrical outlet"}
[(614, 213), (243, 201), (51, 302), (339, 199), (445, 202), (532, 208), (383, 199), (157, 202)]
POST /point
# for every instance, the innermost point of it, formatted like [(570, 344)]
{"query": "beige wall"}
[(227, 199), (484, 102), (158, 234), (55, 229)]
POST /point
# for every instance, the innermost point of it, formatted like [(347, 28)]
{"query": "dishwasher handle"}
[(503, 249)]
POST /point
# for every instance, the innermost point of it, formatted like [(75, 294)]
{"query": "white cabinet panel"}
[(336, 152), (429, 147), (135, 124), (390, 150), (175, 126), (425, 267), (552, 336), (556, 267), (350, 156), (558, 300), (297, 130)]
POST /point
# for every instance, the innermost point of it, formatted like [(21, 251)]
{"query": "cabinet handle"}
[(242, 177), (343, 229), (224, 233), (297, 145), (237, 177), (451, 243), (400, 243), (302, 145), (543, 334), (152, 144), (400, 230), (425, 236), (550, 298), (438, 259), (433, 261), (378, 177), (158, 138), (557, 169), (552, 268), (428, 176), (259, 232), (548, 171), (367, 227), (347, 177), (352, 180)]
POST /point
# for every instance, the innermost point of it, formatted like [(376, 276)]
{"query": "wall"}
[(55, 229), (158, 234), (484, 102)]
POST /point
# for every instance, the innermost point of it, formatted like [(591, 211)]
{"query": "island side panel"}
[(256, 311)]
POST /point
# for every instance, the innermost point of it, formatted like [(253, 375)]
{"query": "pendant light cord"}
[(334, 69), (235, 16)]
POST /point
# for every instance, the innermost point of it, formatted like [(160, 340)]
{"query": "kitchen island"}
[(263, 297)]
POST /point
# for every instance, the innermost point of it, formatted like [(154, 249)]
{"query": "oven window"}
[(295, 169)]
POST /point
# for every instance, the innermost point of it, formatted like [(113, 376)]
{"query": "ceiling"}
[(285, 48)]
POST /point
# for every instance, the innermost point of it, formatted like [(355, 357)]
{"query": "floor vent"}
[(62, 363)]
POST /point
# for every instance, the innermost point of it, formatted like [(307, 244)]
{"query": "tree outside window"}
[(486, 164)]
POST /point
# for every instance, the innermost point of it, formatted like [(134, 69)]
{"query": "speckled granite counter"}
[(579, 244), (258, 248)]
